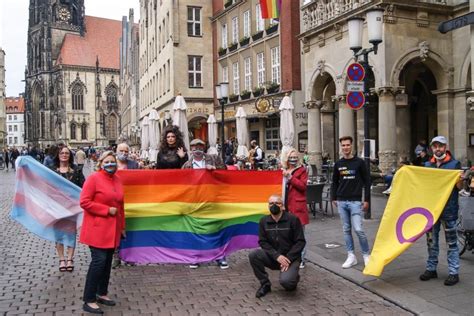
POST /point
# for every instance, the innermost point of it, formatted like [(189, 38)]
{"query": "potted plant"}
[(257, 35), (232, 46), (233, 97), (273, 87), (272, 28), (222, 51), (228, 3), (244, 41), (245, 94), (257, 91)]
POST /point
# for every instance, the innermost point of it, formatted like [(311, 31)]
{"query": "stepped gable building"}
[(72, 75), (15, 109)]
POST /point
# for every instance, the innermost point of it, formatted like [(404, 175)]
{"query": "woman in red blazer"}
[(103, 225), (295, 179)]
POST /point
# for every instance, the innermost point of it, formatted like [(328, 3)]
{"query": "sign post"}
[(355, 86)]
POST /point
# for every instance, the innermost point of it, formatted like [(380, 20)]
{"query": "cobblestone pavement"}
[(31, 284)]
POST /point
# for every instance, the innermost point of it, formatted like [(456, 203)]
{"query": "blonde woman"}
[(102, 228), (295, 179)]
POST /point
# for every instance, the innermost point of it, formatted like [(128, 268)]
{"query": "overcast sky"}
[(14, 25)]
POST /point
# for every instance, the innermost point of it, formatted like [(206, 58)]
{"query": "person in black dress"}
[(172, 153)]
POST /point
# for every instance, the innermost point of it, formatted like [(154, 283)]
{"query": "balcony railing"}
[(319, 12)]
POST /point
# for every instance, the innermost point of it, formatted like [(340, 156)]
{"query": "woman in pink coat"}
[(295, 179), (102, 228)]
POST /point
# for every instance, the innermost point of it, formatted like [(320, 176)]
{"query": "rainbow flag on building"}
[(192, 216), (270, 9), (46, 203)]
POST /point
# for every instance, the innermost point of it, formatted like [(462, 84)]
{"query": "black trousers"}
[(98, 275), (259, 259)]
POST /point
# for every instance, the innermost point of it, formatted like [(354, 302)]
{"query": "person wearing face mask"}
[(281, 239), (123, 160), (443, 159), (103, 226), (201, 160), (295, 179)]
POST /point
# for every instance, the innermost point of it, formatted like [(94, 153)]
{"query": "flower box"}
[(257, 36), (245, 95), (232, 47), (222, 51), (273, 88), (233, 98), (272, 28), (244, 41), (257, 91)]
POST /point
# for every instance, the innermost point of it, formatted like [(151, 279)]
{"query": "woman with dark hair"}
[(64, 166), (172, 153)]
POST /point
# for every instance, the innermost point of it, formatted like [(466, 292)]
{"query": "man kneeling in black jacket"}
[(282, 240)]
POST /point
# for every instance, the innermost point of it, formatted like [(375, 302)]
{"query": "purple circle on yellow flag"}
[(401, 220)]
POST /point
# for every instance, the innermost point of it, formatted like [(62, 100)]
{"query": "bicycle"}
[(465, 226)]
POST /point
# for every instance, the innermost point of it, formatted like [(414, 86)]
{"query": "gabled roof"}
[(102, 40), (14, 105)]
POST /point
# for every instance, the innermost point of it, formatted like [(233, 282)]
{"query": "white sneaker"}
[(366, 259), (463, 192), (350, 261)]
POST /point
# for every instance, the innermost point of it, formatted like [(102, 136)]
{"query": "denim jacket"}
[(451, 208)]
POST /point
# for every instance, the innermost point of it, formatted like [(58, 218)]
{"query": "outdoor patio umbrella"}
[(287, 126), (242, 133), (145, 138), (154, 134), (179, 118), (212, 131)]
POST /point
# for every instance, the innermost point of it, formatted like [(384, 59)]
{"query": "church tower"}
[(49, 22)]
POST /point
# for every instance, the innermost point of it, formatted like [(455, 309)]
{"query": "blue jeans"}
[(351, 216), (432, 238)]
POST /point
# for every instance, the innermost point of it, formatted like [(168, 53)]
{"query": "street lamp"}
[(374, 30), (222, 93)]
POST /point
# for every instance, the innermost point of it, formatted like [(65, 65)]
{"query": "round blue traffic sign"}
[(355, 72), (355, 100)]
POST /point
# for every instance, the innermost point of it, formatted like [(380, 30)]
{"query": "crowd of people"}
[(282, 234)]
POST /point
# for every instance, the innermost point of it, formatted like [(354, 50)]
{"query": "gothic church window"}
[(73, 130), (112, 127), (77, 93), (84, 131)]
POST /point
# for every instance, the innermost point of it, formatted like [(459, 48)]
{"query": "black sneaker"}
[(263, 290), (427, 275), (451, 280)]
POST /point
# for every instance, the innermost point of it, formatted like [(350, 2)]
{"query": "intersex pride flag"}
[(193, 216), (418, 197)]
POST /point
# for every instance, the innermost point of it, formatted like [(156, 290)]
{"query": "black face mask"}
[(275, 209)]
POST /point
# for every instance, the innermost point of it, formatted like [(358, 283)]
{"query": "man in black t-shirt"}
[(349, 178)]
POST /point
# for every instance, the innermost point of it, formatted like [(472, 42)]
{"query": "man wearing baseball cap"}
[(443, 159)]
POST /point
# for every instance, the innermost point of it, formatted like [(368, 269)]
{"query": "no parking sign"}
[(355, 74)]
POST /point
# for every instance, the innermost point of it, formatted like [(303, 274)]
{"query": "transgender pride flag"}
[(45, 203)]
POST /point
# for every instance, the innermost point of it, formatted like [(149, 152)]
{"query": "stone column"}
[(346, 117), (314, 133), (387, 128), (445, 115), (404, 146), (459, 147)]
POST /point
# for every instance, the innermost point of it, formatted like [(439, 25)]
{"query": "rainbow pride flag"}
[(45, 203), (270, 9), (193, 216)]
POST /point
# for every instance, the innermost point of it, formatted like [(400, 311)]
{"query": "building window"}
[(10, 128), (84, 131), (73, 131), (225, 74), (236, 76), (15, 128), (247, 23), (235, 29), (14, 117), (77, 93), (9, 117), (194, 21), (224, 36), (248, 74), (10, 140), (111, 93), (194, 71), (112, 127), (15, 141), (260, 69), (272, 134), (259, 22), (275, 55)]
